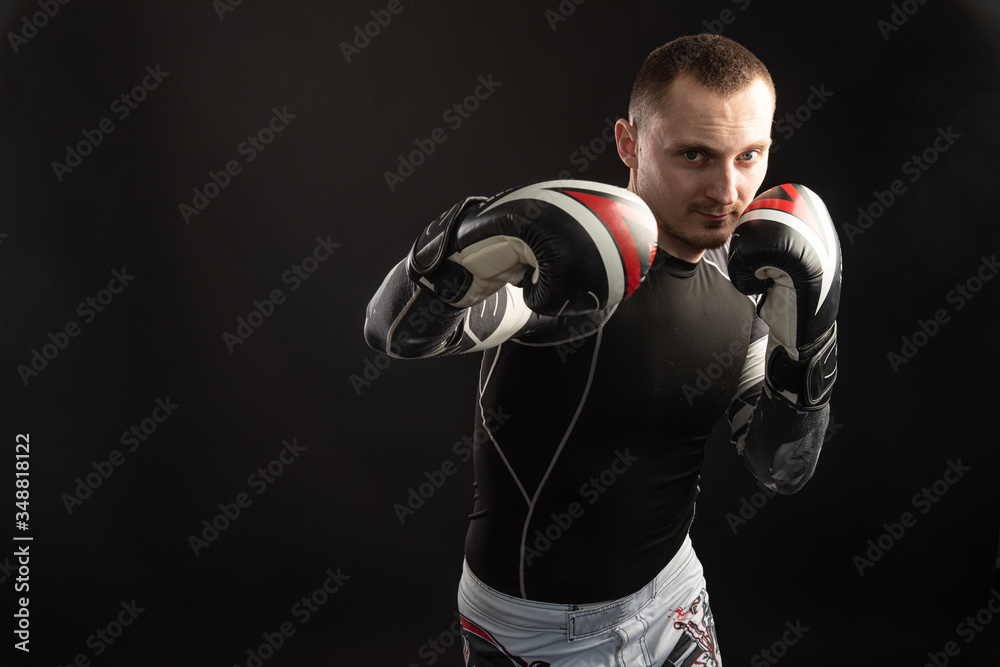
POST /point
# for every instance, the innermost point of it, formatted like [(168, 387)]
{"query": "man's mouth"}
[(714, 217)]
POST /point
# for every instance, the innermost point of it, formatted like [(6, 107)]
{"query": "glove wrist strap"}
[(807, 383), (427, 262)]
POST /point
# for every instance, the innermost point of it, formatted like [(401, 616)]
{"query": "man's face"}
[(699, 161)]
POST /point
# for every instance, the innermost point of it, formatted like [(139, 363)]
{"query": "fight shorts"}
[(667, 623)]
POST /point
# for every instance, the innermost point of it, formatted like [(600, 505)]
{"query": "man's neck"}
[(672, 245), (679, 249)]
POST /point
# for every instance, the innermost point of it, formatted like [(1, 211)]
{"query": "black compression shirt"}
[(590, 485)]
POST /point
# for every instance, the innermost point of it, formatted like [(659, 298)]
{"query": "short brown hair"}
[(714, 61)]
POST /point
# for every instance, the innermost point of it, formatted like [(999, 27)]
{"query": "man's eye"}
[(691, 155), (750, 155)]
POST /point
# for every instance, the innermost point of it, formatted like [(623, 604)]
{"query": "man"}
[(598, 408)]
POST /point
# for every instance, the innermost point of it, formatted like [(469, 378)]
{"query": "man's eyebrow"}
[(684, 146)]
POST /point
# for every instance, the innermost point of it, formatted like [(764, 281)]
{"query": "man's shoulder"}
[(717, 260), (715, 263)]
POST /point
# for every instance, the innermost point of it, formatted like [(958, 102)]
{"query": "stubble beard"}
[(710, 235)]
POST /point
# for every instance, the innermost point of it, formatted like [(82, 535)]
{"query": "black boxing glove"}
[(573, 246), (785, 247)]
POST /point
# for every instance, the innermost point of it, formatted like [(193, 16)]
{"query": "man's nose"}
[(722, 187)]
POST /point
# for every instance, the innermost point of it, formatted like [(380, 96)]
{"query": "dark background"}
[(888, 93)]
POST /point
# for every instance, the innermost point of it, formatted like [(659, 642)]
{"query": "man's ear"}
[(626, 138)]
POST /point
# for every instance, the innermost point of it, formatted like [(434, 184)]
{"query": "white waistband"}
[(569, 619)]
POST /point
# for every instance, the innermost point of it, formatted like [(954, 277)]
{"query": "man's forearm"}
[(782, 444), (406, 320)]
